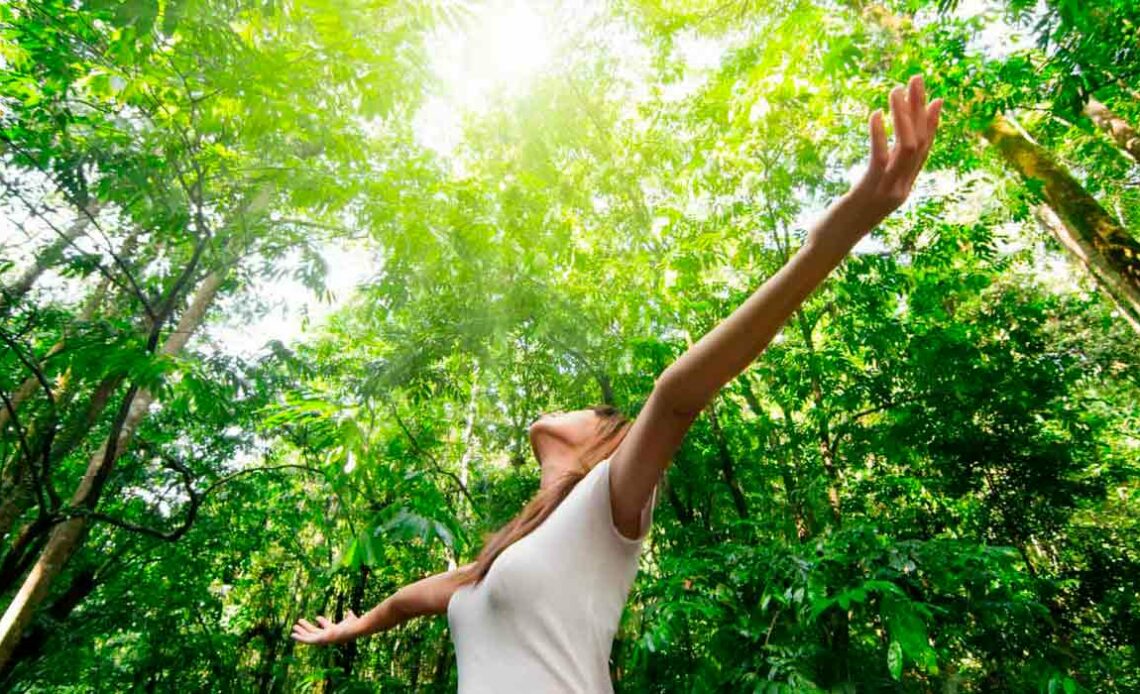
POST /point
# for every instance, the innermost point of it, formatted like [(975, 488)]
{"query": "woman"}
[(537, 610)]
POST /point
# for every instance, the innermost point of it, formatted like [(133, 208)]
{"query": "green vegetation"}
[(927, 483)]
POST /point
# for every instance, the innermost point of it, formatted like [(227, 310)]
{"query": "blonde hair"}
[(613, 429)]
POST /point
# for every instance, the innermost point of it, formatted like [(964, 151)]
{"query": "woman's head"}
[(583, 437), (574, 442)]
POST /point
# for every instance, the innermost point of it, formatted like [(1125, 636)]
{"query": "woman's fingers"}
[(916, 99), (305, 632), (351, 614), (905, 144), (893, 169), (930, 116), (309, 626), (880, 154), (933, 114)]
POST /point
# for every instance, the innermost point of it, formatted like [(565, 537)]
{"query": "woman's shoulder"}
[(602, 505)]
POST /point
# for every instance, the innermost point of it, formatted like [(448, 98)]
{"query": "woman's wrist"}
[(348, 629), (844, 224), (868, 208)]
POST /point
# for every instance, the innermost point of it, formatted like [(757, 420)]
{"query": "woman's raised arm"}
[(427, 596), (691, 382)]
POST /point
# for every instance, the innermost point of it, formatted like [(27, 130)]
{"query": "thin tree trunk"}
[(467, 444), (787, 472), (1104, 243), (727, 465), (333, 676), (792, 492), (1123, 134), (47, 258), (350, 650), (68, 536), (416, 653), (268, 660), (441, 678), (16, 490), (823, 428), (838, 624), (297, 604), (684, 513)]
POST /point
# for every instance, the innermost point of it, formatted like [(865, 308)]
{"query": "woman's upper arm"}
[(428, 595), (642, 457)]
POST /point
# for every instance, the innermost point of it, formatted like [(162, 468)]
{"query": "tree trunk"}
[(1103, 241), (1095, 265), (68, 536), (13, 506), (684, 513), (1123, 134), (24, 547), (32, 646)]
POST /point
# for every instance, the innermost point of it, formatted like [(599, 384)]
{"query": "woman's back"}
[(544, 617)]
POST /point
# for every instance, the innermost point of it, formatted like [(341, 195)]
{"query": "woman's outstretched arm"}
[(690, 383), (723, 353), (427, 596)]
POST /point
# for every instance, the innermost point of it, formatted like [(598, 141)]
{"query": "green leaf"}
[(895, 659)]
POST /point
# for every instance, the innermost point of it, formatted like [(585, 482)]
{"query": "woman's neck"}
[(555, 465)]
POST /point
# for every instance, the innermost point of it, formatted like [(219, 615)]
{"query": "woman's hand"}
[(890, 175), (328, 632)]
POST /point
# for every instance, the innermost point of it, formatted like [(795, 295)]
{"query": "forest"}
[(283, 282)]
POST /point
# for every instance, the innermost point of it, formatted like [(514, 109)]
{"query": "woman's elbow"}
[(678, 396)]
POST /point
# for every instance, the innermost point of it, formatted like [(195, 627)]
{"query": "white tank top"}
[(544, 617)]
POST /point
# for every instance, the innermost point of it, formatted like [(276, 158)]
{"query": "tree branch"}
[(196, 501), (438, 469)]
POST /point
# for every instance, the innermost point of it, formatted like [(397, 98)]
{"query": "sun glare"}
[(493, 55), (509, 44)]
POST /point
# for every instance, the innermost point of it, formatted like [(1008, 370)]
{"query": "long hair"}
[(612, 430)]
